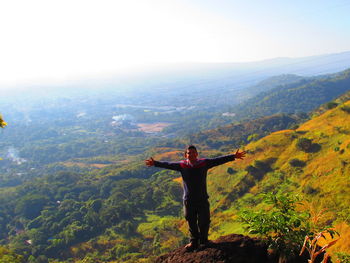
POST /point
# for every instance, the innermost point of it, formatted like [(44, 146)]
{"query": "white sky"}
[(45, 40)]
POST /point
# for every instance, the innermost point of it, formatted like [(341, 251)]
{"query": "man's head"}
[(191, 153)]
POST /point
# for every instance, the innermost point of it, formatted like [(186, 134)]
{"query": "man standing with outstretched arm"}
[(194, 178)]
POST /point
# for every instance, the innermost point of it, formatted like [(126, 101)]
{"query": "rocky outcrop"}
[(227, 249), (231, 248)]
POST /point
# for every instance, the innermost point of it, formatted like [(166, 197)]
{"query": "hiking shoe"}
[(193, 245), (205, 243)]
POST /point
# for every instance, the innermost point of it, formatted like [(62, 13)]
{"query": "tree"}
[(8, 256), (30, 206)]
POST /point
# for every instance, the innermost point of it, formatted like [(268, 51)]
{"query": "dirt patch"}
[(153, 127)]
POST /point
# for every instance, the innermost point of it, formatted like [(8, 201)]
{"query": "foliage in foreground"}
[(285, 228), (311, 245), (280, 223)]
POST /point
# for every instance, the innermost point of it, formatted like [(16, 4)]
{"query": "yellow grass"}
[(169, 156), (178, 180)]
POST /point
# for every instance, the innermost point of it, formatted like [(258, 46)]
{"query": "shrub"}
[(297, 163), (254, 172), (263, 166), (310, 190), (253, 137), (230, 170), (331, 105), (304, 144), (345, 108), (282, 226)]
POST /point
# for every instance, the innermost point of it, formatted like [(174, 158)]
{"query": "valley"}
[(74, 187)]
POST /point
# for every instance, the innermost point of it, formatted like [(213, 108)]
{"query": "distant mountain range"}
[(198, 83)]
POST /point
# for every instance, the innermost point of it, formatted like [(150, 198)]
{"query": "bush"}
[(253, 171), (310, 190), (331, 105), (304, 144), (282, 226), (263, 166), (230, 170), (345, 108), (297, 163)]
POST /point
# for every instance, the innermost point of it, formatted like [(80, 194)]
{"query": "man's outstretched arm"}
[(149, 162), (227, 158), (167, 165), (240, 155)]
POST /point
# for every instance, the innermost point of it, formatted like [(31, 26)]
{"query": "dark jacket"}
[(195, 177)]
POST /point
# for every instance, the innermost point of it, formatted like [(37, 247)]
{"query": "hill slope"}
[(301, 96), (312, 161)]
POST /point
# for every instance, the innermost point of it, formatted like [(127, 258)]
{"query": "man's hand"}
[(149, 162), (240, 155)]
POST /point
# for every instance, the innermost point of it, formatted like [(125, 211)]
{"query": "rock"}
[(230, 249)]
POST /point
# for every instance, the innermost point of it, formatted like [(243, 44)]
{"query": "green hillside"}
[(300, 96)]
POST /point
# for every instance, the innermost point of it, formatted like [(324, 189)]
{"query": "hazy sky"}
[(44, 40)]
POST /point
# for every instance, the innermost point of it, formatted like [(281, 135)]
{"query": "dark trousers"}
[(197, 214)]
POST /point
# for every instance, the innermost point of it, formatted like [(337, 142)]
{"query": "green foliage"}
[(8, 256), (301, 96), (253, 137), (342, 257), (31, 205), (283, 227), (67, 208)]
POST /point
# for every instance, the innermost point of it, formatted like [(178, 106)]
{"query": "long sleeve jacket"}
[(194, 177)]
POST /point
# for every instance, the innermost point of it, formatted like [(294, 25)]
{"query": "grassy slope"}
[(323, 181)]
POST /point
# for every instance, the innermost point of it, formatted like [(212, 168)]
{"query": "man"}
[(194, 178)]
